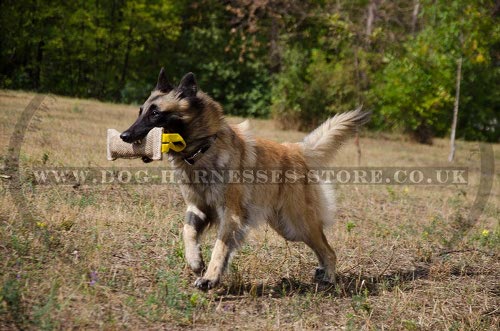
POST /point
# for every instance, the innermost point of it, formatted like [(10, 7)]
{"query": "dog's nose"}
[(125, 136)]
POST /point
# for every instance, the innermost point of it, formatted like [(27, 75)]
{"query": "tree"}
[(415, 90), (455, 110)]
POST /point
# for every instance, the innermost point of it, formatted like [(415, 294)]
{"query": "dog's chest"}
[(207, 181), (202, 189), (213, 194)]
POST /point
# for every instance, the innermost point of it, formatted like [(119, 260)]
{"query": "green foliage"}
[(287, 93), (10, 299), (42, 314), (113, 50), (230, 67), (169, 294), (317, 82), (301, 61), (83, 48), (487, 238), (416, 90), (350, 225), (361, 303), (410, 85)]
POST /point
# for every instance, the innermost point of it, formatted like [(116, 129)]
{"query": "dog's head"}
[(171, 108)]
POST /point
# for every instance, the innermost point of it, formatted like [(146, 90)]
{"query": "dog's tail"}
[(321, 144)]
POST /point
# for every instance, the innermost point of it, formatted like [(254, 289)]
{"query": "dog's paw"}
[(205, 284), (320, 275), (197, 267)]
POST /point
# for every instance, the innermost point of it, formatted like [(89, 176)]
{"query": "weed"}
[(487, 238), (83, 201), (76, 109), (350, 225), (42, 315), (19, 244), (10, 300), (392, 193), (45, 158), (169, 293), (360, 303), (410, 325)]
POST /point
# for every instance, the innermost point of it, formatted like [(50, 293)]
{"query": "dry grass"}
[(110, 257)]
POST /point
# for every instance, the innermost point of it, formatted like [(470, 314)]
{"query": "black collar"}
[(191, 159)]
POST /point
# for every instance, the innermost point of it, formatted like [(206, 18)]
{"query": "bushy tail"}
[(321, 144)]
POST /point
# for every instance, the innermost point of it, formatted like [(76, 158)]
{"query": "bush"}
[(312, 87)]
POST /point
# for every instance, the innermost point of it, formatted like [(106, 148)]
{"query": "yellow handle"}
[(172, 141)]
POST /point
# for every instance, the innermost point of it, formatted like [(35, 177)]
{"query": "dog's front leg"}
[(230, 234), (196, 221)]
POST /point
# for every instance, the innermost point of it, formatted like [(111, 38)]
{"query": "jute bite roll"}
[(149, 146)]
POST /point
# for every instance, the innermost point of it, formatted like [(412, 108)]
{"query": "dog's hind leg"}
[(196, 221), (229, 237), (326, 255), (305, 225)]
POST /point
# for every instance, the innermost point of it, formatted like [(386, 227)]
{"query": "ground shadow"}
[(347, 285)]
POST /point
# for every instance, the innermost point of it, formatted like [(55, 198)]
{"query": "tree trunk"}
[(128, 49), (274, 51), (361, 80), (455, 111), (358, 149), (358, 92), (38, 68), (414, 17), (371, 17)]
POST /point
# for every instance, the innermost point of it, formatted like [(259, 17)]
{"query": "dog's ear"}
[(188, 85), (162, 84)]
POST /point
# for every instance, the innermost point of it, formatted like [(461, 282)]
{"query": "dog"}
[(297, 210)]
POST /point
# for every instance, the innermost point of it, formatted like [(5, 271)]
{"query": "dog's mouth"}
[(130, 138)]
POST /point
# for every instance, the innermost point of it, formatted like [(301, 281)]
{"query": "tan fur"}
[(297, 211), (319, 145)]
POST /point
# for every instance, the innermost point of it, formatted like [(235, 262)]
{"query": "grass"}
[(111, 256)]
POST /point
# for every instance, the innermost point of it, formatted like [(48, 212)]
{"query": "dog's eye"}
[(154, 111)]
